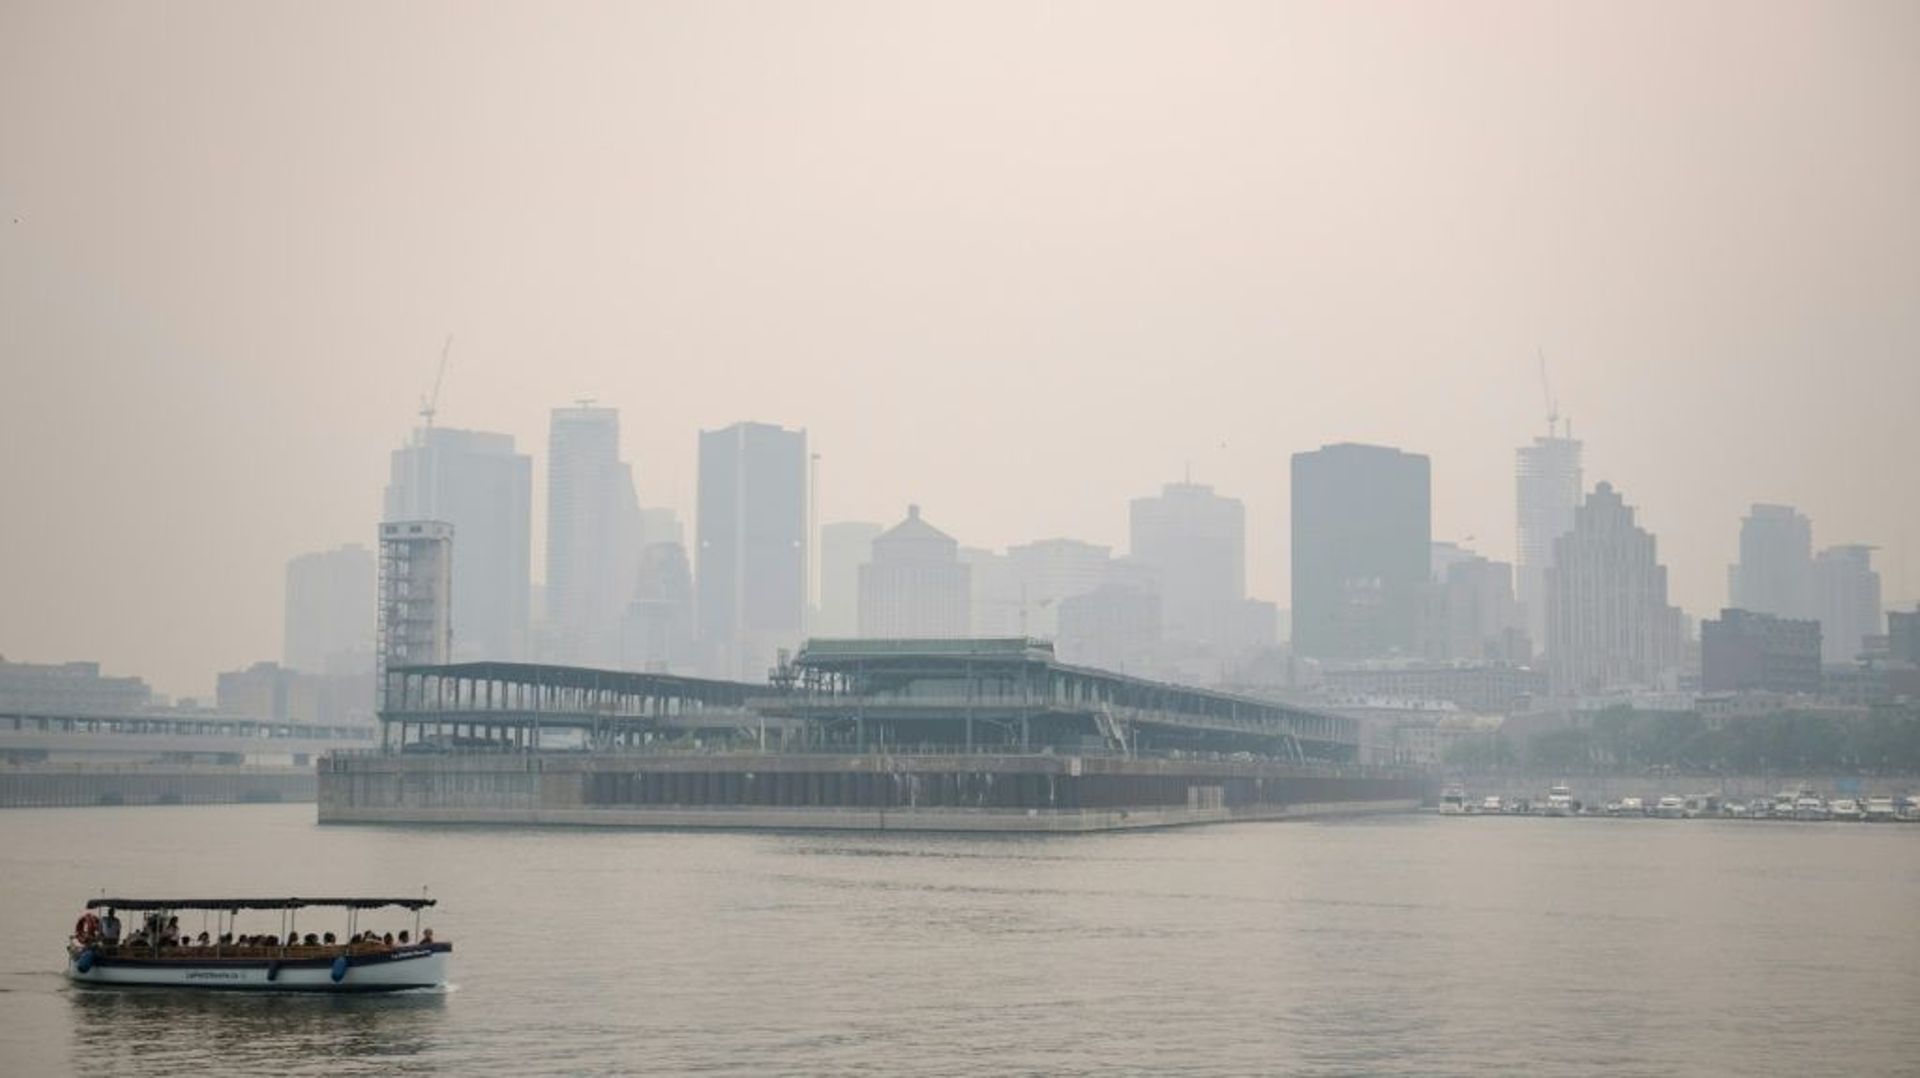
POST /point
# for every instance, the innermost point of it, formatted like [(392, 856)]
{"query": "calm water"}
[(1410, 945)]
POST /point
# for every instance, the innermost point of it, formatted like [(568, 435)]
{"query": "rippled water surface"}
[(1405, 945)]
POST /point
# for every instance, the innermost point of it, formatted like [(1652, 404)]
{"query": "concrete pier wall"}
[(57, 785), (980, 793)]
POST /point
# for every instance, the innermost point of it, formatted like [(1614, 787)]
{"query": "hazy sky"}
[(1015, 262)]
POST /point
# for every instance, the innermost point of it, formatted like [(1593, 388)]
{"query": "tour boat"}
[(1671, 807), (164, 954), (1453, 801)]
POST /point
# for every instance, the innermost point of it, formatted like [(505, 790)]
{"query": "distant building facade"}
[(1474, 616), (1487, 688), (1196, 541), (1050, 571), (593, 523), (1547, 490), (1775, 572), (1362, 525), (750, 561), (1609, 625), (1744, 651), (1846, 592), (68, 689), (658, 632), (845, 546), (476, 482), (916, 584), (329, 611)]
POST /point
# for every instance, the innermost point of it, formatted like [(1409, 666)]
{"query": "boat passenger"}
[(403, 937), (327, 939), (387, 939), (311, 940), (426, 935), (202, 939), (110, 929)]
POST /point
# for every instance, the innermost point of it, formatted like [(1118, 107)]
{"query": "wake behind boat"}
[(163, 955)]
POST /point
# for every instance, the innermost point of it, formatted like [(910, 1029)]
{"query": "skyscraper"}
[(750, 565), (1608, 622), (916, 584), (1196, 542), (844, 547), (475, 482), (1775, 571), (1846, 600), (593, 523), (1362, 525), (1547, 489), (329, 613), (658, 631)]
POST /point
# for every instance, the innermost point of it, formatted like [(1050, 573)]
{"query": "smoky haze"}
[(1015, 263)]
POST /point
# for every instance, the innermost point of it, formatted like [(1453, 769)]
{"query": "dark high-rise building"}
[(1362, 527), (750, 565), (1745, 652)]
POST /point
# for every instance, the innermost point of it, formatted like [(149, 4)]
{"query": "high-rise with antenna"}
[(1547, 491)]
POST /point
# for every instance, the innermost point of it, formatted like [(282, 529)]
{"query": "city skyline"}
[(994, 277)]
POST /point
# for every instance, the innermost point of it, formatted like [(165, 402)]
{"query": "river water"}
[(1400, 945)]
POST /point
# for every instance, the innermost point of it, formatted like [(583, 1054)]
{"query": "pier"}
[(966, 735)]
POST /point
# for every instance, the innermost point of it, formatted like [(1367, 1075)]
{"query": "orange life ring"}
[(87, 928)]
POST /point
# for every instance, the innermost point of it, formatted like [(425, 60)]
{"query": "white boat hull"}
[(402, 969)]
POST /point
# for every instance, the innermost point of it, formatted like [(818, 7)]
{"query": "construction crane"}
[(431, 404), (1546, 391)]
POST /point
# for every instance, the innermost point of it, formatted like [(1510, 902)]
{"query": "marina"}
[(1799, 803)]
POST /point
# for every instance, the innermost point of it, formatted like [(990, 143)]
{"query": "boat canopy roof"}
[(254, 903)]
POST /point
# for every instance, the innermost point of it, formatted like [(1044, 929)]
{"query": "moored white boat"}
[(1560, 801), (1453, 801), (160, 956)]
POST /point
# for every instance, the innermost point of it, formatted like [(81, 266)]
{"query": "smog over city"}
[(879, 477)]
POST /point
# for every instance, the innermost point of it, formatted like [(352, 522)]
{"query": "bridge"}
[(28, 736)]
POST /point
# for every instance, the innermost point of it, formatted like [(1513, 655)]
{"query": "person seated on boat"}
[(327, 939), (226, 938), (387, 939), (202, 939), (311, 940), (173, 930), (426, 935), (403, 937)]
